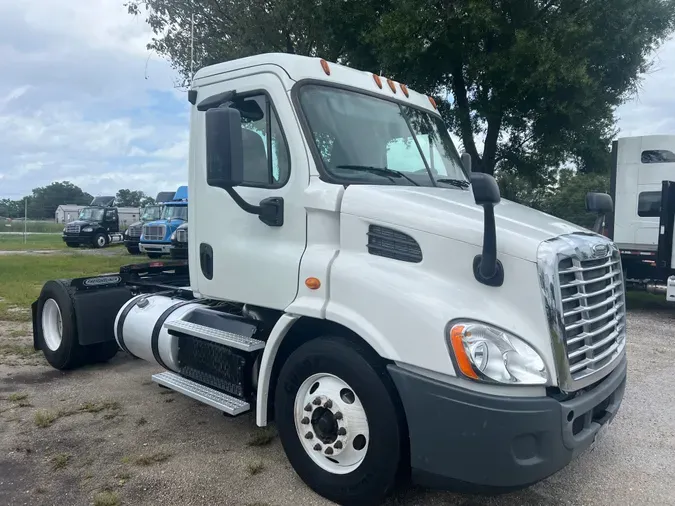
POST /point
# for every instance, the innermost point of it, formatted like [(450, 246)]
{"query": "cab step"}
[(219, 400), (218, 336)]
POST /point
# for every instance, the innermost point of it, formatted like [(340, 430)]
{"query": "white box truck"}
[(352, 281)]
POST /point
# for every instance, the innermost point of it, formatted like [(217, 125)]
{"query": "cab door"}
[(234, 255), (111, 220)]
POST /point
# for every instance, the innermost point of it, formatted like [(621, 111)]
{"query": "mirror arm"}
[(245, 206), (270, 211), (487, 269)]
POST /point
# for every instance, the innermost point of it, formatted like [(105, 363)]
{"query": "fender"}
[(277, 335)]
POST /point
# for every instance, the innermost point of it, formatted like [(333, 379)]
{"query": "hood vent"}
[(389, 243)]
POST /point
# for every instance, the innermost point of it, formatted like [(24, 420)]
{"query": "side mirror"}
[(466, 162), (486, 268), (485, 189), (224, 148), (599, 203)]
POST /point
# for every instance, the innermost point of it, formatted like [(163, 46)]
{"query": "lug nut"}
[(317, 447), (317, 401), (329, 451), (338, 415), (308, 407), (309, 435), (329, 404), (338, 445), (342, 431), (304, 421)]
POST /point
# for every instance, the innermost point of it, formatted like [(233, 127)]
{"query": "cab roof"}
[(301, 68)]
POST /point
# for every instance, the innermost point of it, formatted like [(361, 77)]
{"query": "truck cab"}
[(152, 212), (155, 239), (97, 225), (352, 280)]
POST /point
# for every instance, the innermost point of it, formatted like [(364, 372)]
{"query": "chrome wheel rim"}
[(331, 423)]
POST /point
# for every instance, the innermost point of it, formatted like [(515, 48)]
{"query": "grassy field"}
[(31, 226), (33, 242), (22, 276)]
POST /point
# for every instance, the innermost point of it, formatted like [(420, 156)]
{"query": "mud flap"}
[(33, 311)]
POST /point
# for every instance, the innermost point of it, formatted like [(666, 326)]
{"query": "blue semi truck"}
[(156, 237)]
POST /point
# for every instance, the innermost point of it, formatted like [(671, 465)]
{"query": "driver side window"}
[(266, 156)]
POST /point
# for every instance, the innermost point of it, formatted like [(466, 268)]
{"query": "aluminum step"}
[(219, 400), (215, 335)]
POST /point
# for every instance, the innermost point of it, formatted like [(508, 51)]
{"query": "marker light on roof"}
[(391, 85), (325, 67), (377, 80), (404, 89), (433, 102)]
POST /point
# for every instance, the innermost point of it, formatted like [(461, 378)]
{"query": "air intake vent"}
[(385, 242)]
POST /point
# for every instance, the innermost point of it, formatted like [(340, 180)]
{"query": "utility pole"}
[(25, 217)]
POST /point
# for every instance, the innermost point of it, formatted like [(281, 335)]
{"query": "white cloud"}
[(83, 100)]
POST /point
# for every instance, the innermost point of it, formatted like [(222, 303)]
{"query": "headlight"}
[(173, 236), (87, 229), (484, 353)]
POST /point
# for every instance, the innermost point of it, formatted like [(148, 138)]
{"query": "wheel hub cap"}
[(52, 324), (331, 423)]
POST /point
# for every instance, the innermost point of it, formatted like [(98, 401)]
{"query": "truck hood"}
[(84, 223), (453, 213)]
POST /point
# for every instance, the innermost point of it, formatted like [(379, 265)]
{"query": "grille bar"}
[(154, 232), (588, 281), (612, 300), (586, 295), (587, 269), (589, 362)]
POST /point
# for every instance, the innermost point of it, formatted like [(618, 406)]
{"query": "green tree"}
[(536, 80), (130, 198), (147, 201), (44, 200)]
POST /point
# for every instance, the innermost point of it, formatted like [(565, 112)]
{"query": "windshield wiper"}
[(459, 183), (382, 171)]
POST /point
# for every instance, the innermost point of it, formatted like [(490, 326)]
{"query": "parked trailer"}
[(391, 321)]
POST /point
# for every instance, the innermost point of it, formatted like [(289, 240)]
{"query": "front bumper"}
[(82, 238), (150, 247), (460, 437), (179, 250)]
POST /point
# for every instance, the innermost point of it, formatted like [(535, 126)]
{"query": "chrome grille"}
[(582, 282), (154, 232), (181, 235), (72, 229), (134, 231)]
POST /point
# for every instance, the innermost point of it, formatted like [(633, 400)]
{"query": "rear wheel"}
[(56, 329), (100, 240), (338, 422)]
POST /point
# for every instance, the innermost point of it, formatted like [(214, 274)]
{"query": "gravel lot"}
[(109, 434)]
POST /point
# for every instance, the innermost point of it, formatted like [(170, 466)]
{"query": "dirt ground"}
[(107, 435)]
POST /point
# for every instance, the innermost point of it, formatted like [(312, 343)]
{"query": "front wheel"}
[(100, 240), (154, 255), (133, 251), (338, 421)]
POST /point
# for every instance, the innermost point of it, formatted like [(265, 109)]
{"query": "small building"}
[(66, 213), (128, 215)]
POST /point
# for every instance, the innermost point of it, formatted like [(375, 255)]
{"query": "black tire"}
[(154, 255), (376, 476), (133, 251), (69, 353), (72, 244), (100, 240)]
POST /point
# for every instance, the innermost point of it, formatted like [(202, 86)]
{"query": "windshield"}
[(367, 139), (91, 214), (151, 213), (175, 212)]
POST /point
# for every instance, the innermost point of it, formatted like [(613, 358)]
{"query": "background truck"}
[(132, 235), (179, 242), (639, 213), (97, 225), (392, 322), (155, 239)]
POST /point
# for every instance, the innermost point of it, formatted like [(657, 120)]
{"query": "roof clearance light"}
[(391, 85), (325, 67), (433, 102), (405, 91), (377, 80)]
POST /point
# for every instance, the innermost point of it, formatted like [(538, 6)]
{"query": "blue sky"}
[(83, 100)]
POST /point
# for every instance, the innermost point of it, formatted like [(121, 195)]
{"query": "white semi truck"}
[(352, 281)]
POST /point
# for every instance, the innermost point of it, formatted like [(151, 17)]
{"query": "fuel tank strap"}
[(154, 341), (120, 325)]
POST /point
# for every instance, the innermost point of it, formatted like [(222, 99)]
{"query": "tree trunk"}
[(464, 115)]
